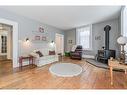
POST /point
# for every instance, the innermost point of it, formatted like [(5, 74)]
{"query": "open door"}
[(5, 41), (59, 40)]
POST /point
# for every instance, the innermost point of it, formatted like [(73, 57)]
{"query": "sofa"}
[(45, 59)]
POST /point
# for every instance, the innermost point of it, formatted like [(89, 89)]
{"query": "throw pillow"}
[(39, 53), (74, 48), (52, 53)]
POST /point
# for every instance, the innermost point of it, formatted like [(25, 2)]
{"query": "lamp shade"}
[(122, 40)]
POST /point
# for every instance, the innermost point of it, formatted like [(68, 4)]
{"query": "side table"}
[(29, 58), (60, 56), (114, 64)]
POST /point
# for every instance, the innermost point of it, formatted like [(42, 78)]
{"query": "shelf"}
[(39, 41), (37, 32)]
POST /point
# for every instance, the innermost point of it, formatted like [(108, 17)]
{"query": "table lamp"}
[(122, 41)]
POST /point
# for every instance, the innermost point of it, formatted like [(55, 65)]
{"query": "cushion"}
[(74, 47), (39, 53), (35, 51), (34, 54), (52, 53)]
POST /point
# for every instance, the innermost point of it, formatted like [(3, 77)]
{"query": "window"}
[(124, 25), (84, 37), (125, 47)]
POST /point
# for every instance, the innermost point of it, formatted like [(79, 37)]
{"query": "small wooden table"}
[(29, 58), (60, 56), (114, 64)]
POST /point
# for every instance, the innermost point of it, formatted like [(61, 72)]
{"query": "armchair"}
[(77, 53)]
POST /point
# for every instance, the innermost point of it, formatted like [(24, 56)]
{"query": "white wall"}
[(114, 33), (25, 28), (70, 35), (98, 30)]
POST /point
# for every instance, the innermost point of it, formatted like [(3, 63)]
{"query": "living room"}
[(45, 44)]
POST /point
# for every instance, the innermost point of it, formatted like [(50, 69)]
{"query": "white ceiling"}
[(66, 17)]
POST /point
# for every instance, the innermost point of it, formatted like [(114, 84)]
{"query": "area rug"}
[(65, 69), (97, 64)]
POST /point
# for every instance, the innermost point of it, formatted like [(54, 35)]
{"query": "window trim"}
[(123, 24), (77, 37)]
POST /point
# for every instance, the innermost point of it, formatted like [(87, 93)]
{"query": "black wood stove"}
[(106, 53)]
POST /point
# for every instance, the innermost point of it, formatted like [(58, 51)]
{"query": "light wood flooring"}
[(40, 78)]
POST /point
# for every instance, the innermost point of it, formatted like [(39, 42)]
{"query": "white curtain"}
[(84, 37), (124, 24)]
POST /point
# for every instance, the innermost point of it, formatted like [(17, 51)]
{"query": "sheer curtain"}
[(124, 24), (84, 37), (125, 34)]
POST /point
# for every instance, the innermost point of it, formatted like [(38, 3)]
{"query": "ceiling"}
[(66, 17)]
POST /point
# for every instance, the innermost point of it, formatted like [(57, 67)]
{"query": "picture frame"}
[(41, 29), (44, 38), (70, 41), (97, 37), (37, 37)]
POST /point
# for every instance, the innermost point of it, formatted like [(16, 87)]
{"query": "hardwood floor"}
[(5, 67), (3, 57), (40, 78)]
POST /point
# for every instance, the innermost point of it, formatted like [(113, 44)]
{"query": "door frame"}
[(58, 34), (14, 39)]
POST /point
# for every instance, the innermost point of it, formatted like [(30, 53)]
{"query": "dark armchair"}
[(77, 54)]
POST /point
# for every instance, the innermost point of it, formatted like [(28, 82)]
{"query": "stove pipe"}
[(107, 28)]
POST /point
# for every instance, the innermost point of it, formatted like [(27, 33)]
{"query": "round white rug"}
[(65, 69)]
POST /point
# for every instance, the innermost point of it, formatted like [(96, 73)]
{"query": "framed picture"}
[(37, 37), (97, 37), (43, 38), (70, 41), (41, 29)]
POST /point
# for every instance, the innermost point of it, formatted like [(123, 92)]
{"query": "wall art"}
[(37, 37)]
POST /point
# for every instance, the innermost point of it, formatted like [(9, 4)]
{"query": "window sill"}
[(87, 49)]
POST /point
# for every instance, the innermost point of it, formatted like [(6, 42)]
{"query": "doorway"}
[(14, 38), (59, 40), (5, 48), (5, 42)]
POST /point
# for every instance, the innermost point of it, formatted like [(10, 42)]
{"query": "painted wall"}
[(98, 30), (25, 27), (70, 35)]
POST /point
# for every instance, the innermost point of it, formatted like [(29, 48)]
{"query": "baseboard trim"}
[(88, 56)]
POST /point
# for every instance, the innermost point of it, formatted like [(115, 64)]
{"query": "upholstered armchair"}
[(77, 53)]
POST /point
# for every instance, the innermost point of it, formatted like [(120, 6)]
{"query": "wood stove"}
[(106, 53)]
